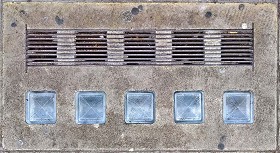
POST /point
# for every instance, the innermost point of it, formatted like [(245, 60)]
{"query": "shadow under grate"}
[(139, 47)]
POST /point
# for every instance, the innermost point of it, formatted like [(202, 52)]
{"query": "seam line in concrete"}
[(2, 64), (277, 81), (152, 1), (141, 150)]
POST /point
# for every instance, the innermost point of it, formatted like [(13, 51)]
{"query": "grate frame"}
[(152, 47)]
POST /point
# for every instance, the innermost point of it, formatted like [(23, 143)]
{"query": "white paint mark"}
[(45, 18), (222, 70), (202, 8), (131, 149), (96, 126), (47, 70), (244, 26), (19, 143)]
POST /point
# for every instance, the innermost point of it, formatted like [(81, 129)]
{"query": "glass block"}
[(238, 107), (139, 107), (90, 107), (41, 107), (188, 107)]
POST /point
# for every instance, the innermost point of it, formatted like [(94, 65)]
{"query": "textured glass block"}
[(41, 107), (139, 107), (90, 107), (238, 107), (189, 107)]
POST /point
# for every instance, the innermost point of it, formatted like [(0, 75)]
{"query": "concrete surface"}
[(151, 1), (1, 79), (164, 134)]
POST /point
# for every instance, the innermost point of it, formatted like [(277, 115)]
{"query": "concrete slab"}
[(164, 134), (151, 1), (1, 76)]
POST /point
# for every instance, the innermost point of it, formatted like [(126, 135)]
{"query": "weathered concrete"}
[(152, 1), (1, 78), (164, 134)]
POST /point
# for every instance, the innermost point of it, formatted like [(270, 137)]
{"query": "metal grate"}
[(41, 47), (136, 47), (188, 47), (91, 47), (139, 47), (237, 47)]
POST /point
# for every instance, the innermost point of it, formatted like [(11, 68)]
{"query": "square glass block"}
[(188, 107), (90, 107), (139, 107), (40, 107), (238, 107)]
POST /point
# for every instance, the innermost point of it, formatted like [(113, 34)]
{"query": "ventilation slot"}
[(41, 47), (91, 47), (237, 47), (136, 47), (139, 47), (188, 47)]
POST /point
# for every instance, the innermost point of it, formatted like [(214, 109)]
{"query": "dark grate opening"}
[(237, 47), (139, 47), (41, 47), (188, 47), (91, 46)]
